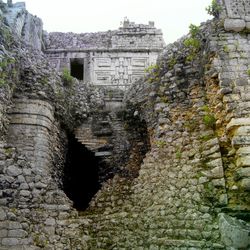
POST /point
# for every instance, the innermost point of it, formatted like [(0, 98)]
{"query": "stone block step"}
[(103, 153)]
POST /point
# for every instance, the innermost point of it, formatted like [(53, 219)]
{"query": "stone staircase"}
[(96, 141)]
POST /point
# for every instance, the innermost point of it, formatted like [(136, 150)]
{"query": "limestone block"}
[(25, 193), (236, 122), (244, 130), (10, 242), (223, 200), (219, 182), (245, 184), (217, 172), (243, 172), (13, 171), (2, 215), (3, 233), (243, 151), (248, 25), (241, 140), (17, 233), (234, 232), (243, 161), (215, 163), (236, 25)]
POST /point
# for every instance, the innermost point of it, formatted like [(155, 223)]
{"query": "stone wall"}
[(177, 147), (112, 59)]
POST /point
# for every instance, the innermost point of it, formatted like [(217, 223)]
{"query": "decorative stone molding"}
[(238, 15)]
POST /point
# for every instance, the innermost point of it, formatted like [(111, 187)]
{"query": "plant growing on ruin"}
[(226, 49), (248, 72), (160, 143), (153, 73), (193, 42), (214, 9), (66, 77), (172, 62), (5, 66), (209, 120), (178, 153), (194, 30)]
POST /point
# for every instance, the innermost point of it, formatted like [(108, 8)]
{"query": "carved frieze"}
[(238, 9)]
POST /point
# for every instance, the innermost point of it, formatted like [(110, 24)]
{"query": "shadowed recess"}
[(77, 68), (80, 174)]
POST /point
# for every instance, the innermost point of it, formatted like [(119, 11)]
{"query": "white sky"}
[(171, 16)]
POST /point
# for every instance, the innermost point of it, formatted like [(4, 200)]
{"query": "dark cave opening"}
[(81, 180), (77, 69)]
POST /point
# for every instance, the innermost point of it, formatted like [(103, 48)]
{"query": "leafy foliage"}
[(193, 42), (67, 78), (214, 9)]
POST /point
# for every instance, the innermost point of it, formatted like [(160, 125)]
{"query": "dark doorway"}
[(77, 68), (81, 180)]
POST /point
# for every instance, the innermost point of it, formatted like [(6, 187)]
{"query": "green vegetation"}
[(160, 144), (248, 72), (226, 49), (178, 153), (209, 118), (206, 137), (164, 99), (194, 30), (67, 78), (214, 9), (193, 43), (5, 65), (154, 73), (172, 62)]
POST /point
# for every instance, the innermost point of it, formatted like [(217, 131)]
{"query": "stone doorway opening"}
[(81, 174), (77, 68)]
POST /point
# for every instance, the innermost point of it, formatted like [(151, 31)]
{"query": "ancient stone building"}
[(113, 59), (117, 157)]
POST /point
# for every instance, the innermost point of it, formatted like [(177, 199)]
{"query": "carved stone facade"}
[(113, 59), (237, 15)]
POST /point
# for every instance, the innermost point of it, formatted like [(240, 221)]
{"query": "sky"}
[(173, 17)]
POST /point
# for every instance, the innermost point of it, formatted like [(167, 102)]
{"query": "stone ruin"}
[(113, 140)]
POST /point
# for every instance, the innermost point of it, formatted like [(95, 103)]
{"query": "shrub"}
[(214, 9), (209, 120), (194, 30), (67, 78), (192, 42)]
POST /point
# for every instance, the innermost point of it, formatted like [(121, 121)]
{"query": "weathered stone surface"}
[(170, 200), (243, 161), (13, 171), (236, 25), (236, 122), (2, 215), (243, 172), (235, 233), (10, 241), (245, 184)]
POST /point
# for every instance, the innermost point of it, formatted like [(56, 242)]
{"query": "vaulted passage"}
[(77, 68), (80, 174)]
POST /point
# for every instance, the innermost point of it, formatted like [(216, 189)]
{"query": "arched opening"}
[(81, 180)]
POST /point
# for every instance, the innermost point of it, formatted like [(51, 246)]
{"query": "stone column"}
[(29, 131)]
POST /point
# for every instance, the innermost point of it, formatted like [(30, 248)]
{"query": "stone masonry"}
[(113, 59), (170, 144)]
